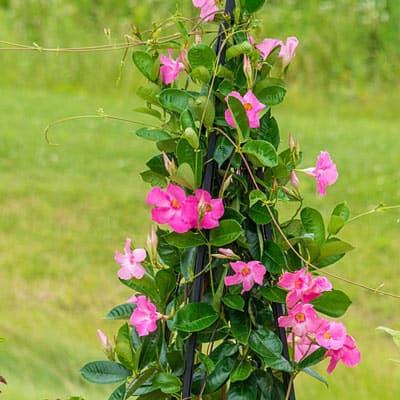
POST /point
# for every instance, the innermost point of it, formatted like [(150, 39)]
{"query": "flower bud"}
[(169, 164), (105, 343), (247, 69), (292, 144), (152, 243), (294, 180)]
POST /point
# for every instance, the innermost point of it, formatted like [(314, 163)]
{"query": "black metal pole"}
[(201, 256)]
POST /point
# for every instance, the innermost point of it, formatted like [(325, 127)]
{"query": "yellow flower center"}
[(297, 283), (175, 204), (327, 335), (245, 271), (207, 208), (247, 106), (300, 317)]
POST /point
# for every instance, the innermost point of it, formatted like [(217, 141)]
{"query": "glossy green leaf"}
[(240, 118), (273, 258), (313, 223), (243, 390), (167, 383), (176, 362), (259, 214), (269, 130), (340, 214), (252, 6), (187, 154), (240, 326), (144, 63), (255, 196), (220, 375), (333, 303), (334, 247), (105, 372), (119, 393), (223, 150), (201, 55), (149, 349), (204, 110), (227, 232), (194, 317), (168, 253), (270, 91), (166, 283), (242, 371), (149, 93), (312, 359), (263, 151), (123, 347), (274, 293), (174, 99), (156, 164), (153, 178), (122, 311), (234, 301), (207, 362), (184, 176), (201, 74), (153, 134), (265, 343), (184, 240), (142, 378), (238, 49), (316, 375), (145, 285), (188, 262)]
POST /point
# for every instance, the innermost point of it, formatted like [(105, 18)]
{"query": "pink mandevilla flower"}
[(267, 45), (325, 172), (209, 210), (130, 262), (303, 320), (348, 354), (208, 9), (246, 274), (144, 317), (170, 207), (251, 105), (333, 337), (170, 68), (288, 50), (302, 287)]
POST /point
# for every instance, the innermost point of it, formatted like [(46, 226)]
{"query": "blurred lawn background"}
[(65, 209)]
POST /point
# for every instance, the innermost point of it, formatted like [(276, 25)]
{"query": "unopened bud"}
[(169, 164), (105, 343), (292, 144), (152, 243), (294, 180), (248, 72)]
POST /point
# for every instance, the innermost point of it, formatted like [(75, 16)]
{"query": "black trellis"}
[(201, 256)]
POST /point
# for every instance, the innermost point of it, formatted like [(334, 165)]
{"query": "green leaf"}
[(105, 372), (239, 49), (194, 317), (255, 196), (123, 347), (240, 118), (140, 380), (188, 261), (168, 146), (123, 311), (220, 375), (176, 362), (174, 99), (227, 232), (149, 349), (169, 254), (334, 247), (153, 178), (223, 150), (333, 303), (167, 383), (240, 326), (201, 55), (313, 223), (274, 258), (166, 282), (252, 6), (315, 375), (201, 74), (263, 151), (265, 343), (206, 361), (241, 372), (270, 91), (340, 214), (149, 93), (269, 130), (184, 240), (274, 294), (187, 154), (184, 175), (118, 393), (312, 359), (234, 301), (245, 390), (394, 334), (259, 214), (146, 286), (156, 164), (144, 63), (204, 110), (153, 134)]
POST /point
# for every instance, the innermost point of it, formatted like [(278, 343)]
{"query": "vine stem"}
[(287, 397), (373, 211)]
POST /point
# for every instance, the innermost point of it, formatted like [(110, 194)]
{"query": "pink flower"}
[(303, 346), (333, 337), (247, 274), (325, 172), (170, 68), (267, 45), (130, 262), (103, 340), (302, 287), (209, 210), (288, 50), (303, 320), (144, 317), (348, 354), (251, 105), (208, 9), (170, 207)]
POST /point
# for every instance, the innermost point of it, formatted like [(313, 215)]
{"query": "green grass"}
[(65, 209)]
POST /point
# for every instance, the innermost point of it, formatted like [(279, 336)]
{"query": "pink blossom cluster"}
[(144, 317), (245, 273), (170, 68), (309, 332), (181, 212)]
